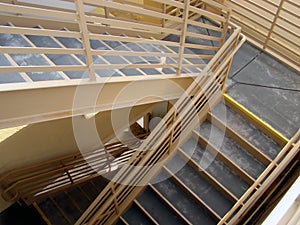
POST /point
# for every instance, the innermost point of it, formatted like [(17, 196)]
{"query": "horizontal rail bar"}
[(39, 50), (266, 178), (38, 32), (37, 11), (11, 69)]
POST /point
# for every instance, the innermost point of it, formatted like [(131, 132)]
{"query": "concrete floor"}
[(266, 87)]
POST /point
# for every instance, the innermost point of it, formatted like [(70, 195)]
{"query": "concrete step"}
[(158, 209), (66, 207), (52, 212), (231, 149), (135, 216), (206, 191), (215, 167), (58, 59), (9, 77), (246, 130), (182, 200), (15, 40)]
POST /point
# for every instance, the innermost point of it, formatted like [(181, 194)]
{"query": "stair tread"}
[(158, 209), (52, 213), (97, 45), (216, 168), (120, 222), (183, 202), (116, 45), (66, 205), (79, 198), (134, 47), (90, 190), (13, 40), (57, 59), (200, 186), (246, 130), (135, 216), (230, 148)]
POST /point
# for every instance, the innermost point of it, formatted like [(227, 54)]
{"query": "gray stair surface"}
[(200, 185), (66, 207)]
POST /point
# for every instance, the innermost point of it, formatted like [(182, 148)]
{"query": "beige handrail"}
[(85, 27), (36, 181), (164, 140), (264, 181)]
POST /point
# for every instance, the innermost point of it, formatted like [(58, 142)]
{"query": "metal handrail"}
[(89, 25), (39, 180), (165, 138)]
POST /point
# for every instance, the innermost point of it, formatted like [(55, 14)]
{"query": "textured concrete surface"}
[(183, 202), (246, 130), (158, 209), (202, 188), (268, 88), (232, 150), (216, 168)]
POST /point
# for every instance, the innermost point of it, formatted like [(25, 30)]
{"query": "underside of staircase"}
[(208, 161)]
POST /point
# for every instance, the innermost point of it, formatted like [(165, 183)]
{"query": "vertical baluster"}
[(273, 24), (85, 38), (183, 35)]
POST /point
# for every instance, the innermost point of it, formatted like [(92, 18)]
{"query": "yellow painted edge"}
[(258, 120), (42, 214)]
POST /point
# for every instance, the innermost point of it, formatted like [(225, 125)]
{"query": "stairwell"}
[(207, 176)]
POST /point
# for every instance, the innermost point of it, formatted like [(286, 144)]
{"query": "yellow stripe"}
[(41, 213), (265, 127)]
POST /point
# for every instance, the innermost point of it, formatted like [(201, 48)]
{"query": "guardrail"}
[(264, 181), (35, 182), (162, 143), (272, 26), (86, 27)]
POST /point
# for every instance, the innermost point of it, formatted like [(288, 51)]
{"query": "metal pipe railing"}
[(83, 28), (264, 181), (166, 137)]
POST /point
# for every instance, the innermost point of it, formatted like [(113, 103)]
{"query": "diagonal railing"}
[(21, 19), (264, 181), (37, 181), (188, 111)]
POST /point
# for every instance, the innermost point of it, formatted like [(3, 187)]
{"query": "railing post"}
[(164, 10), (106, 11), (229, 65), (185, 17), (225, 28), (85, 38), (115, 199), (273, 23)]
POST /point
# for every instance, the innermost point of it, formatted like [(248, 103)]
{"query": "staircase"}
[(209, 173), (208, 177), (66, 207), (199, 185)]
